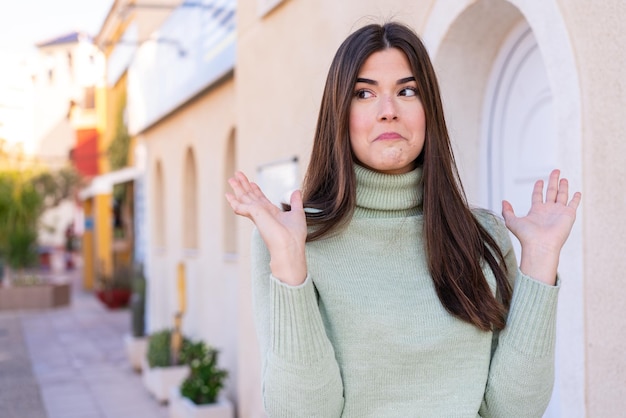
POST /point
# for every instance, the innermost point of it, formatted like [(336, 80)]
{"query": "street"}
[(70, 362)]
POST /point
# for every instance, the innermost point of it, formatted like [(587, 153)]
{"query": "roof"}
[(68, 38), (103, 184)]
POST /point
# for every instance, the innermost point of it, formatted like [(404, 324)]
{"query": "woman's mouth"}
[(388, 135)]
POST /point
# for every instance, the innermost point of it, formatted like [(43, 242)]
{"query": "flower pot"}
[(136, 350), (181, 407), (159, 380), (114, 298)]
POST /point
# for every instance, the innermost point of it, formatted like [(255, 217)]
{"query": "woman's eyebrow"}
[(375, 83), (405, 80), (367, 81)]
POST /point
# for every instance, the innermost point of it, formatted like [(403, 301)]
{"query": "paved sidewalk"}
[(19, 391), (78, 367)]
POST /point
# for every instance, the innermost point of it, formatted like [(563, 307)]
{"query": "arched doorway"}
[(524, 50), (519, 133)]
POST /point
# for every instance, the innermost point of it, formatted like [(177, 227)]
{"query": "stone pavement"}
[(70, 362)]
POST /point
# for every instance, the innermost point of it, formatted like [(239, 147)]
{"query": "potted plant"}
[(136, 342), (160, 373), (198, 395), (114, 291)]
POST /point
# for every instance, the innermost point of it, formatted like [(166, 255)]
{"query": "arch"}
[(465, 38), (159, 221), (518, 120), (190, 202), (229, 226)]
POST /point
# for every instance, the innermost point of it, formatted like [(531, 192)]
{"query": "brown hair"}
[(455, 241)]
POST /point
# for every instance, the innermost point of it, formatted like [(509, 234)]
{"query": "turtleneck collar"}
[(387, 195)]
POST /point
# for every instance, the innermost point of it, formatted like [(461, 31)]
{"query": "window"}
[(159, 207), (89, 101), (190, 201), (229, 231)]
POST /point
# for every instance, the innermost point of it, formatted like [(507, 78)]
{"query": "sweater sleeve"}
[(521, 372), (300, 374)]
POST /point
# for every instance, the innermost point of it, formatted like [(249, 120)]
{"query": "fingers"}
[(575, 201), (243, 188), (507, 212), (557, 191), (537, 196), (296, 201), (246, 197), (240, 183), (561, 196), (553, 186)]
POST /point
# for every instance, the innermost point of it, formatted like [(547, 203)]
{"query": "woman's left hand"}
[(544, 230)]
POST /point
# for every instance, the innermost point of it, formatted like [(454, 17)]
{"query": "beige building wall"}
[(598, 35), (62, 74), (282, 61), (202, 128)]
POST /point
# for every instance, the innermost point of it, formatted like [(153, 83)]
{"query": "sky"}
[(23, 23)]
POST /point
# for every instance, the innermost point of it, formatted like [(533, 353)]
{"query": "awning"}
[(104, 183)]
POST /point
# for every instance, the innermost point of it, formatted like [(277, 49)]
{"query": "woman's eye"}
[(363, 94), (408, 92)]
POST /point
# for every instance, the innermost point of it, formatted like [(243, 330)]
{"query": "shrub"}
[(138, 302), (20, 207), (159, 349), (206, 380)]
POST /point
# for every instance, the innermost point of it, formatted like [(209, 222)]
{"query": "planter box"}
[(136, 349), (180, 407), (40, 296), (160, 380)]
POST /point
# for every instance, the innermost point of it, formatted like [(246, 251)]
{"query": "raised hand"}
[(284, 233), (544, 230)]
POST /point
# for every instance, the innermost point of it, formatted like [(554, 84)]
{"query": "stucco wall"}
[(204, 125), (598, 35)]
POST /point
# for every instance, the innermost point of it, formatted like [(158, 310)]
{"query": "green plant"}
[(27, 280), (120, 279), (120, 144), (206, 380), (55, 186), (20, 208), (159, 349), (138, 302)]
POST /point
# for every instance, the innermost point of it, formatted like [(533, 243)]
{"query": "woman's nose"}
[(387, 109)]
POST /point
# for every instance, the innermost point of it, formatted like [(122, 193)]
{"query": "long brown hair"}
[(456, 243)]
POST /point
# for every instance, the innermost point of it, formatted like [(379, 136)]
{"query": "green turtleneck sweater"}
[(366, 335)]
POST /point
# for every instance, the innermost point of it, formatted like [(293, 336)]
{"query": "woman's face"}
[(387, 122)]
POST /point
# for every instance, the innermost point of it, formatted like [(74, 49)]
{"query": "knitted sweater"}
[(366, 336)]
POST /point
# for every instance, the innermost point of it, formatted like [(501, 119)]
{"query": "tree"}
[(23, 198), (20, 208), (56, 186)]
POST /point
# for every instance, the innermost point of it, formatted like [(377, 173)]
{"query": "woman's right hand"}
[(284, 233)]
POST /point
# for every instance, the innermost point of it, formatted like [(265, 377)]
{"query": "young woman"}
[(380, 293)]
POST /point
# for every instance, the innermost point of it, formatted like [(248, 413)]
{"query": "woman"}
[(379, 293)]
